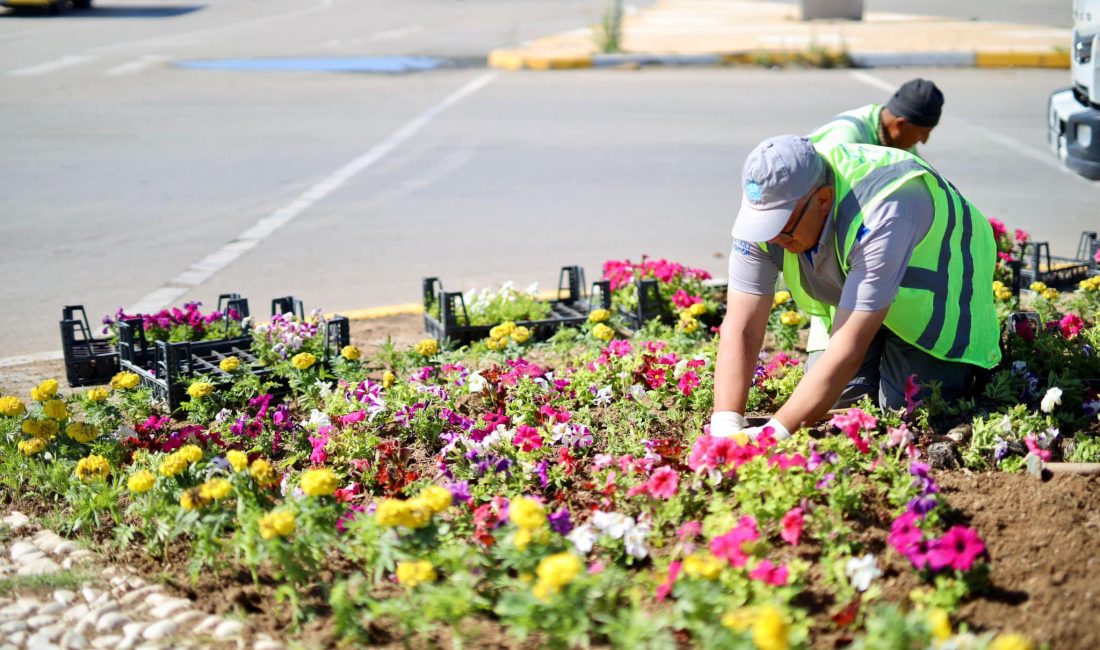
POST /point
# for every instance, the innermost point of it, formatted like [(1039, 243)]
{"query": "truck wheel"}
[(82, 4), (58, 6)]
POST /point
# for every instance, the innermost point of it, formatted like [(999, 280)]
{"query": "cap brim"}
[(757, 225)]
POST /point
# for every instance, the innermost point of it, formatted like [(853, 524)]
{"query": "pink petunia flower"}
[(1022, 236), (688, 382), (664, 483), (998, 226), (959, 547), (768, 573), (527, 438), (792, 526), (852, 423), (1070, 325), (731, 545), (665, 587), (912, 389), (683, 299), (1033, 446), (904, 533)]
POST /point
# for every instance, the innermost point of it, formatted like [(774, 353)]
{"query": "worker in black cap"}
[(906, 120)]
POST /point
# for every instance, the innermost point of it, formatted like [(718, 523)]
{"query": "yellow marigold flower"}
[(738, 620), (32, 446), (12, 406), (411, 574), (603, 332), (521, 335), (388, 378), (543, 591), (193, 499), (697, 309), (437, 497), (790, 318), (941, 624), (303, 360), (263, 473), (390, 513), (1051, 294), (702, 566), (522, 539), (191, 453), (351, 353), (172, 465), (142, 481), (1011, 641), (997, 284), (320, 482), (92, 468), (229, 364), (238, 460), (498, 332), (277, 524), (427, 348), (527, 513), (688, 323), (496, 344), (125, 381), (200, 389), (598, 315), (558, 570), (215, 489), (781, 298), (44, 391), (44, 429), (417, 514), (1003, 294), (98, 394), (82, 432), (769, 630), (1038, 287), (55, 409)]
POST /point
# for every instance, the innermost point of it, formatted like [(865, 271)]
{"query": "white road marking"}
[(50, 66), (145, 62), (1041, 156), (205, 268), (390, 34)]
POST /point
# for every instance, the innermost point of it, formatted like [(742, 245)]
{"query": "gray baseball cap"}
[(778, 172)]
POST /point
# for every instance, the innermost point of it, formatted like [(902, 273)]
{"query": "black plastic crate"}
[(1058, 272), (453, 324), (652, 306), (174, 364)]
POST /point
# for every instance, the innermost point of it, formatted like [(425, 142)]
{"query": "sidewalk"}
[(722, 32)]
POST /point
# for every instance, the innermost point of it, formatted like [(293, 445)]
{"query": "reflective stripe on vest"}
[(945, 285), (865, 119)]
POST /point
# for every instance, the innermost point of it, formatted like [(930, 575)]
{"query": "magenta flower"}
[(663, 484), (959, 547), (998, 226), (768, 573), (904, 533), (683, 299), (912, 389), (620, 347), (731, 545), (1070, 325), (1022, 236), (899, 436), (689, 530), (852, 423), (1033, 447), (792, 526), (688, 381), (787, 461), (527, 438), (665, 587)]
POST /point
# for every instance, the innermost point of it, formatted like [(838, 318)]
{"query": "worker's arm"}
[(739, 342), (819, 389)]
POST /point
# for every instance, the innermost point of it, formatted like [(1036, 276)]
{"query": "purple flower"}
[(825, 481), (460, 490), (541, 471), (921, 506), (561, 522)]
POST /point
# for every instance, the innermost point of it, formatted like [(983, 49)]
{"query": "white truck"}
[(1074, 112)]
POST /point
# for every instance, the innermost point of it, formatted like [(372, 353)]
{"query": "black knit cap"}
[(918, 101)]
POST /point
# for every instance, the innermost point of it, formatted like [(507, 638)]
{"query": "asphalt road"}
[(132, 180)]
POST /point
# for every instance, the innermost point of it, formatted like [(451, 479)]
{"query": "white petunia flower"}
[(604, 396), (634, 541), (862, 571), (476, 383), (583, 537), (1051, 399), (318, 418)]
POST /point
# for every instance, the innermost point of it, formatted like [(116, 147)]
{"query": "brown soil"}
[(1042, 538)]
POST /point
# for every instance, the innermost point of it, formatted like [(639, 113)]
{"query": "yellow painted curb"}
[(517, 60), (987, 59)]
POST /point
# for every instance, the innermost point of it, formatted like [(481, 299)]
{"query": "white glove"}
[(724, 424), (779, 432)]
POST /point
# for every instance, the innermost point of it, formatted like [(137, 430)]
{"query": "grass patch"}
[(59, 580)]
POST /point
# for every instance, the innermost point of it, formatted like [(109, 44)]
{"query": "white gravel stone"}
[(111, 621), (109, 572), (66, 547), (28, 558), (267, 644), (48, 541), (21, 608), (21, 548), (82, 555), (89, 594), (133, 597), (17, 521), (157, 599), (228, 630), (17, 639), (188, 618), (128, 642), (52, 609), (39, 567), (109, 641), (36, 622), (54, 631), (208, 624), (166, 610), (64, 596), (75, 613), (40, 642), (73, 639), (11, 627), (136, 583), (159, 630), (133, 630)]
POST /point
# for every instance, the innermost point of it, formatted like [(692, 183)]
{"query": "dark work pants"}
[(889, 361)]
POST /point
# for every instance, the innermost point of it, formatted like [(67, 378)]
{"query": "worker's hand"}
[(779, 432), (724, 424)]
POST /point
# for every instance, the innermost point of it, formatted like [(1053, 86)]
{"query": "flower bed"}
[(564, 491)]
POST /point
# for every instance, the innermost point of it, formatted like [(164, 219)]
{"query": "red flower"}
[(688, 382), (792, 526), (527, 438), (663, 484)]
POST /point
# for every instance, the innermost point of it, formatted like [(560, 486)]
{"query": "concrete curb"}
[(518, 59)]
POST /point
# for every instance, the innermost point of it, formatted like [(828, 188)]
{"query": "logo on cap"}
[(753, 190)]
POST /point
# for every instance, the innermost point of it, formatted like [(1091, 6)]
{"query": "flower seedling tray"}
[(571, 307), (652, 306), (1058, 272), (91, 360)]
